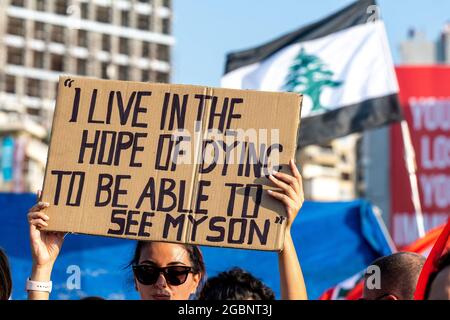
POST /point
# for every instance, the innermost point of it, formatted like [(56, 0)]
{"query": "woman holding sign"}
[(171, 270)]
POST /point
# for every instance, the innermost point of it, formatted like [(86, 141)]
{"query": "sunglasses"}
[(174, 275)]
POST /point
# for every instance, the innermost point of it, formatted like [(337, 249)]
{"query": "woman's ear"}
[(196, 282)]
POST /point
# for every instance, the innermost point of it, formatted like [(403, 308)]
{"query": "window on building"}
[(16, 26), (33, 111), (81, 67), (125, 18), (38, 59), (33, 88), (145, 76), (103, 14), (10, 84), (124, 46), (163, 52), (123, 73), (345, 176), (82, 38), (18, 3), (61, 7), (57, 34), (106, 42), (143, 22), (40, 5), (39, 30), (104, 70), (167, 3), (85, 10), (56, 62), (166, 26), (15, 56), (162, 77), (146, 50)]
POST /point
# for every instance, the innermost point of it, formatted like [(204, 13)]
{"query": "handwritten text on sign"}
[(172, 163)]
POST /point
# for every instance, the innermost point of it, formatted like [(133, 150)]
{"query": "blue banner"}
[(333, 241)]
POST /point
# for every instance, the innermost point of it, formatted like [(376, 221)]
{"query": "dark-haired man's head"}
[(438, 287), (236, 284), (393, 277), (5, 277)]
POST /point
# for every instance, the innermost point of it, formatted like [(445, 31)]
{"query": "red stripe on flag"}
[(420, 246), (431, 263)]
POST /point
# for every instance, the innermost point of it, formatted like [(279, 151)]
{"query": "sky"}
[(206, 30)]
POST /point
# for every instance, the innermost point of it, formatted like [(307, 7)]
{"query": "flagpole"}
[(410, 160)]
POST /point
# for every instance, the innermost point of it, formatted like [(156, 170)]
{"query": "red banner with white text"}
[(425, 99)]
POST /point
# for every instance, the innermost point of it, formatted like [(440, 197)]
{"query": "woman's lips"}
[(161, 296)]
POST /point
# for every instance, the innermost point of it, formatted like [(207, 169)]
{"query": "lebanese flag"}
[(342, 65), (352, 288)]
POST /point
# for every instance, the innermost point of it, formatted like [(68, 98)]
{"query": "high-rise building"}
[(328, 170), (42, 39), (443, 45), (417, 49)]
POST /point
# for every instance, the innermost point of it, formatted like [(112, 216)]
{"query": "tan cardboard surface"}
[(107, 171)]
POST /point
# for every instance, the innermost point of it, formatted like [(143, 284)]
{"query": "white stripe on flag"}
[(358, 56)]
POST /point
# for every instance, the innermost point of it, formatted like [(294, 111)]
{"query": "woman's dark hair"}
[(195, 255), (443, 262), (92, 298), (235, 284), (5, 277)]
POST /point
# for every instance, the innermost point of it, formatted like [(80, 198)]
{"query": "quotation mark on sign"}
[(68, 83), (279, 219)]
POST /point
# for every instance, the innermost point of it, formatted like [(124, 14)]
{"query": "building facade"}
[(329, 170), (443, 45), (43, 39)]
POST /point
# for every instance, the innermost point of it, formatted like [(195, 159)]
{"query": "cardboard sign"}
[(171, 163)]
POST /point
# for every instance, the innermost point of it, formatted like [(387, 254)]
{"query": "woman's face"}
[(161, 254)]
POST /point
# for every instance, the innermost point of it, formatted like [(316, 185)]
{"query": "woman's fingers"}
[(287, 201), (38, 223), (294, 169), (285, 187), (296, 174), (298, 177), (39, 206), (37, 215), (288, 179)]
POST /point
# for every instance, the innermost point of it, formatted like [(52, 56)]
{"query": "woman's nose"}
[(161, 282)]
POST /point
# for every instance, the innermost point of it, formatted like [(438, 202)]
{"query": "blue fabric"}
[(333, 241), (7, 158)]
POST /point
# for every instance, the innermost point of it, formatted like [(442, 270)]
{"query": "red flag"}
[(431, 263), (421, 246)]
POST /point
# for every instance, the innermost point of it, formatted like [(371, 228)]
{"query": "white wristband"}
[(39, 286)]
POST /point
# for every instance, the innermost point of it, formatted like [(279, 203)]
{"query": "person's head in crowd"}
[(235, 284), (438, 287), (393, 277), (89, 298), (5, 277), (167, 271)]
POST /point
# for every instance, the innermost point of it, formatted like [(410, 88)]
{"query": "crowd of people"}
[(166, 271)]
